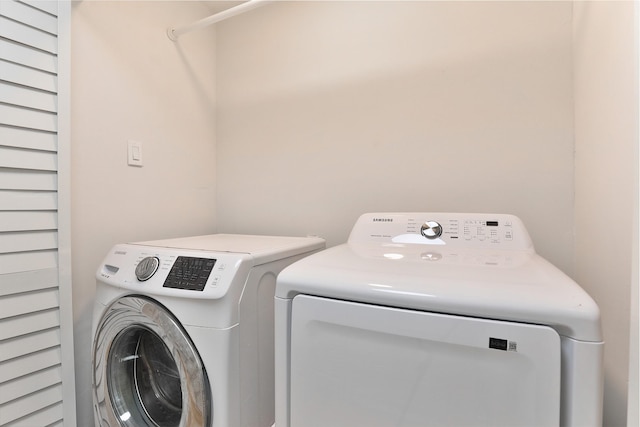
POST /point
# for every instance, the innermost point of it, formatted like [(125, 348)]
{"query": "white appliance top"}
[(481, 265), (263, 249)]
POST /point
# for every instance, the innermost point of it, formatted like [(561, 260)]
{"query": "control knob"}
[(147, 268), (431, 230)]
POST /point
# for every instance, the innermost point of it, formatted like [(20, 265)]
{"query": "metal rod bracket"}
[(174, 33)]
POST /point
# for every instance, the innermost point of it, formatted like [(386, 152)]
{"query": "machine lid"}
[(480, 279), (262, 248)]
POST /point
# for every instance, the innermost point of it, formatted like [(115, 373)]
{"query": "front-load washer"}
[(183, 330), (435, 319)]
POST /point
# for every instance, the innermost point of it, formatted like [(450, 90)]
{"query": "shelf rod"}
[(174, 33)]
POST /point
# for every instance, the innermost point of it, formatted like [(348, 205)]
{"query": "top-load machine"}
[(435, 319)]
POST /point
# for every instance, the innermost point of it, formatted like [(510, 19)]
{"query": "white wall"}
[(331, 109), (606, 115), (129, 81), (328, 110)]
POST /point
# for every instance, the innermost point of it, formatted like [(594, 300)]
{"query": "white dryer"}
[(183, 330), (435, 319)]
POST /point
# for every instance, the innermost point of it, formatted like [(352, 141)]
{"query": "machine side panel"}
[(256, 345), (282, 360), (582, 394)]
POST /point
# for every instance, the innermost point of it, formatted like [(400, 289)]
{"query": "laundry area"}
[(296, 118)]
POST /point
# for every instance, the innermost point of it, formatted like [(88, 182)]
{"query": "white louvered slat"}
[(25, 118), (27, 138), (20, 158), (15, 179), (29, 77), (48, 6), (28, 36), (19, 408), (23, 325), (33, 58), (51, 416), (16, 368), (28, 281), (23, 221), (28, 98), (26, 261), (21, 304), (27, 200), (28, 241), (10, 349), (60, 423), (29, 384), (29, 15)]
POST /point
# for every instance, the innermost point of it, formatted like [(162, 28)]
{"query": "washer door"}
[(146, 370)]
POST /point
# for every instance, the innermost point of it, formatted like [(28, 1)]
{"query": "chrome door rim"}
[(135, 311)]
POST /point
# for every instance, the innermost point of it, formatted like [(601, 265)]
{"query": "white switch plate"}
[(134, 153)]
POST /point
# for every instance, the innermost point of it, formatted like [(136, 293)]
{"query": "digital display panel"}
[(189, 273)]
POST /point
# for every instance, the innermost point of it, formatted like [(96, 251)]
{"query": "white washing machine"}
[(183, 330), (435, 319)]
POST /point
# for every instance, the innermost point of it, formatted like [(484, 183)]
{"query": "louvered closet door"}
[(36, 361)]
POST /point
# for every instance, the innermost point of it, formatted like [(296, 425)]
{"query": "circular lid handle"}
[(147, 268)]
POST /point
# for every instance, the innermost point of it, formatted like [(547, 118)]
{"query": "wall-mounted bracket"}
[(174, 33)]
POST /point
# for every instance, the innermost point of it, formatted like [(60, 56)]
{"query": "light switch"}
[(134, 153)]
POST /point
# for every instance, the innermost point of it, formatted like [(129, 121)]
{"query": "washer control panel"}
[(499, 231), (189, 273), (176, 272)]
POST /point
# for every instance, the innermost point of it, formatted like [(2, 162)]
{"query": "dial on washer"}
[(431, 230), (147, 268)]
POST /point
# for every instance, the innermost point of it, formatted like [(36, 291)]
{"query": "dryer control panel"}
[(496, 231)]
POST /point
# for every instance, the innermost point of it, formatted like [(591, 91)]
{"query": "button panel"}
[(470, 230), (490, 231), (189, 273)]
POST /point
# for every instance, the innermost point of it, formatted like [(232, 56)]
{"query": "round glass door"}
[(146, 370)]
